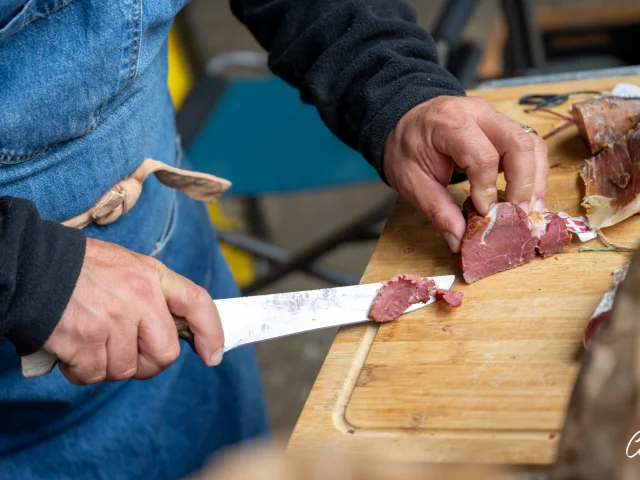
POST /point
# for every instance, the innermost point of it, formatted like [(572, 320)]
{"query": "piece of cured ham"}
[(612, 182), (604, 120), (506, 238)]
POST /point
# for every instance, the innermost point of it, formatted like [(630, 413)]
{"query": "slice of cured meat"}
[(604, 120), (600, 314), (612, 182), (555, 237), (506, 238), (402, 291), (452, 297)]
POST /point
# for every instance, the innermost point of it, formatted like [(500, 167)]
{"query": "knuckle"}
[(521, 141), (489, 191), (489, 160), (96, 372), (151, 266), (541, 146), (118, 313), (139, 285), (126, 373), (488, 163), (169, 355), (528, 182), (440, 219), (95, 378), (199, 294), (93, 333), (143, 287), (451, 112), (407, 143)]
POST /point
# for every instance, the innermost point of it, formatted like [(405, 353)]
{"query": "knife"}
[(255, 319)]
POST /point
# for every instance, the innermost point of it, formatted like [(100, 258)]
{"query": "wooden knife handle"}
[(184, 333), (42, 363)]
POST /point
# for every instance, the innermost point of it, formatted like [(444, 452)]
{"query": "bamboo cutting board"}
[(489, 381)]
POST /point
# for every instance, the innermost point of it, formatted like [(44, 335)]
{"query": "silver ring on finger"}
[(529, 129)]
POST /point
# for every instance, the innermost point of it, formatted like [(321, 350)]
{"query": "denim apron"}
[(83, 100)]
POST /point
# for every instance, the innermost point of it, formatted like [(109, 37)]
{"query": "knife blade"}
[(248, 320)]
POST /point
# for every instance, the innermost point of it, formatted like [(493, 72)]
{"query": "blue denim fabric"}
[(84, 101)]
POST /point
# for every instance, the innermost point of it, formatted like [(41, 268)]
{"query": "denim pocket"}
[(28, 12), (60, 74), (169, 227)]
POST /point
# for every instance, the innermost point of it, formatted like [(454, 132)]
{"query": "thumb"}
[(186, 299), (433, 200)]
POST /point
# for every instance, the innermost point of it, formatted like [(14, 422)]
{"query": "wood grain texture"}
[(489, 381)]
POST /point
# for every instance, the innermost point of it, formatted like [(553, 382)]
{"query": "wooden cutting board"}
[(489, 381)]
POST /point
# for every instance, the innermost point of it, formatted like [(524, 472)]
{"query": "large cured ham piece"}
[(612, 182), (604, 120)]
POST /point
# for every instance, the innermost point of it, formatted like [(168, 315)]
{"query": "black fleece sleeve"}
[(40, 262), (362, 63)]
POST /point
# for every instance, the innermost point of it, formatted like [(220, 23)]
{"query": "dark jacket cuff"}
[(374, 135), (49, 264)]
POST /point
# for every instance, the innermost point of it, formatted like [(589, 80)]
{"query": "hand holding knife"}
[(248, 320)]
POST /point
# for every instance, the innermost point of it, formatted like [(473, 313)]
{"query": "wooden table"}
[(489, 381)]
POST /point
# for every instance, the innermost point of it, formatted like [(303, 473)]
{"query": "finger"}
[(122, 352), (158, 345), (87, 366), (192, 302), (433, 200), (515, 147), (470, 149), (542, 174)]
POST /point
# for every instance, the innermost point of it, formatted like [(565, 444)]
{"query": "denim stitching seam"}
[(43, 15)]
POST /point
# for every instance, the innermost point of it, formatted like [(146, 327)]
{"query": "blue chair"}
[(256, 132)]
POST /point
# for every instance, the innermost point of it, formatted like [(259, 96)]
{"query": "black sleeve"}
[(362, 63), (40, 262)]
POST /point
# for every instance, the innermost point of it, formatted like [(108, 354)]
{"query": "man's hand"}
[(468, 134), (118, 323)]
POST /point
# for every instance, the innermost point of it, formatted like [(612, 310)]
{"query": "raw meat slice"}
[(402, 291), (506, 238), (604, 120), (601, 313), (452, 297), (612, 182), (497, 242)]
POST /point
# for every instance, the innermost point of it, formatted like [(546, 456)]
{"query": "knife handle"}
[(42, 363), (184, 332)]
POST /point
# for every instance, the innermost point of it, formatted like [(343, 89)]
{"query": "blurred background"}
[(287, 226)]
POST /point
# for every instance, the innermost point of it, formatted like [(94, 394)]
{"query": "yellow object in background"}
[(180, 82), (180, 76), (240, 262)]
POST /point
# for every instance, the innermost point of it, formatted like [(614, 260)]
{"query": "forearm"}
[(362, 63), (40, 262)]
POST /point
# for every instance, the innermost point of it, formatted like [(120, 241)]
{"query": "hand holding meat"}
[(119, 322), (445, 133)]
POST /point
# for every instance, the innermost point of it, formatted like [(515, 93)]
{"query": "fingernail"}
[(524, 206), (539, 206), (453, 242), (216, 358)]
